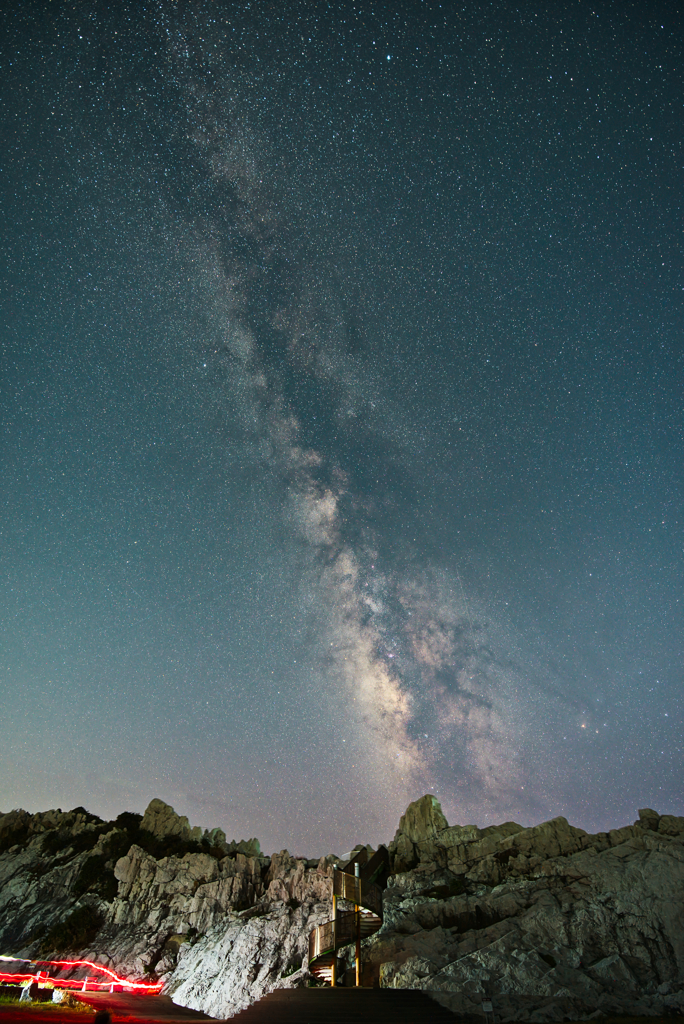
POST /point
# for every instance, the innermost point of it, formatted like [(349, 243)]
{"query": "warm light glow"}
[(92, 983)]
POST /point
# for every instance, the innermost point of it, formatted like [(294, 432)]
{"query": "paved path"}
[(286, 1006), (345, 1006), (125, 1006)]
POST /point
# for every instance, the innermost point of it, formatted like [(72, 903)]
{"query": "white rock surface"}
[(553, 923), (161, 820), (547, 922)]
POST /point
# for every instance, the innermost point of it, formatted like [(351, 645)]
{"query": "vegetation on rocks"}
[(97, 876), (75, 932), (10, 837)]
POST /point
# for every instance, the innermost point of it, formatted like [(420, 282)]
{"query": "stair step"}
[(345, 1006)]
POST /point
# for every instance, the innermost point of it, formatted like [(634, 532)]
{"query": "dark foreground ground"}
[(285, 1008), (124, 1009)]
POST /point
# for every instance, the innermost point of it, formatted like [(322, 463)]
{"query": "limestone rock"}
[(422, 819), (458, 835), (12, 826), (648, 818), (670, 825), (405, 855), (237, 963), (250, 847), (548, 922), (419, 828), (552, 923), (216, 837), (161, 820)]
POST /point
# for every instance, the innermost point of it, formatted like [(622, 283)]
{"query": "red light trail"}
[(85, 984)]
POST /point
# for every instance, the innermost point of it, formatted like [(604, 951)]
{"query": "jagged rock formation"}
[(420, 823), (548, 922), (161, 820), (218, 922)]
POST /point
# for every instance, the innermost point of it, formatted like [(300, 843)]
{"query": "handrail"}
[(358, 886)]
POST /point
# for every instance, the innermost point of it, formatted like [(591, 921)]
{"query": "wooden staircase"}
[(358, 883), (345, 1006)]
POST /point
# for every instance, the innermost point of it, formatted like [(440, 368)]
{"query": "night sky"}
[(341, 379)]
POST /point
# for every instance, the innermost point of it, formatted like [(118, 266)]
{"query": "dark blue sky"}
[(341, 407)]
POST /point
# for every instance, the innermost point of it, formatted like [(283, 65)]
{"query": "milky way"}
[(342, 415)]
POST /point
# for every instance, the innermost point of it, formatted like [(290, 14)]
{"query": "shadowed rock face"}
[(548, 922), (551, 922), (420, 824), (161, 820), (220, 924)]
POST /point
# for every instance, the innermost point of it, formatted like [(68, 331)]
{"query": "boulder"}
[(648, 819), (161, 820), (416, 839), (422, 820), (250, 847), (671, 825)]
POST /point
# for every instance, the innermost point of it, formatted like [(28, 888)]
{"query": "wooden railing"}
[(359, 883)]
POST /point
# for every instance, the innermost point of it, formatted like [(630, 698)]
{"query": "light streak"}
[(92, 983)]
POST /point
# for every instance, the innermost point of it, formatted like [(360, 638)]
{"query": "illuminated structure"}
[(360, 882)]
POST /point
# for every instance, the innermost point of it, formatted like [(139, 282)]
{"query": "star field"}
[(340, 389)]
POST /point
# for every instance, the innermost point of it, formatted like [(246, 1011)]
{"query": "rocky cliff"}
[(547, 922)]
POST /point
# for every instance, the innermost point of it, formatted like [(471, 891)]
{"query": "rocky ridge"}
[(147, 895), (548, 922)]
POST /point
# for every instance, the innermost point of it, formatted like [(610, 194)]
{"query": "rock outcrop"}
[(217, 922), (161, 821), (547, 923), (419, 827)]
